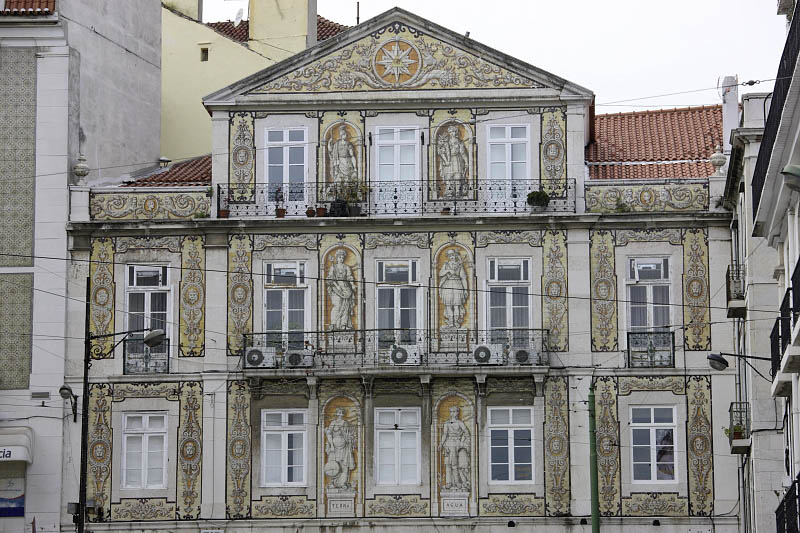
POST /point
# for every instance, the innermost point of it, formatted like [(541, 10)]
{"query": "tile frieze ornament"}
[(696, 311), (167, 390), (555, 311), (143, 509), (238, 451), (407, 506), (101, 306), (169, 205), (670, 235), (532, 238), (265, 241), (699, 446), (373, 240), (556, 446), (242, 155), (98, 484), (553, 169), (655, 504), (284, 507), (608, 458), (663, 197), (190, 450), (395, 57), (192, 297), (240, 291), (603, 282), (674, 384), (123, 244), (512, 505)]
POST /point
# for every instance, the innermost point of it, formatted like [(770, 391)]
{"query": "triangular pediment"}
[(396, 51)]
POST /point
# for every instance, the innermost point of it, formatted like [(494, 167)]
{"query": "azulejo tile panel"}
[(168, 205), (284, 506), (401, 506), (696, 312), (98, 475), (192, 297), (556, 446), (665, 197), (240, 291), (553, 152), (555, 306), (238, 451), (603, 291), (242, 167), (608, 458), (699, 446), (512, 505), (142, 509), (16, 326), (655, 504), (101, 306), (17, 154), (190, 450)]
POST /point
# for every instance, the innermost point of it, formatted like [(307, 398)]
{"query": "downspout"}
[(593, 463)]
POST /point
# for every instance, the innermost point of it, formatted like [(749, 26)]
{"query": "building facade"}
[(428, 350)]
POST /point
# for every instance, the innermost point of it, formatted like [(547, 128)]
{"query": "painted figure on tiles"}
[(344, 169), (453, 163), (340, 444), (455, 448), (453, 290), (342, 292)]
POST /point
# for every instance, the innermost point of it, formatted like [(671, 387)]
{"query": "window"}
[(508, 153), (653, 444), (286, 164), (398, 154), (283, 447), (397, 441), (147, 302), (397, 303), (204, 54), (510, 444), (285, 295), (648, 293), (508, 315), (144, 454)]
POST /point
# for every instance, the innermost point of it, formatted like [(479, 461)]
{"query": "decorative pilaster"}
[(556, 446), (238, 451), (101, 305), (696, 312), (699, 446), (192, 297), (555, 307), (240, 291), (603, 281), (242, 167), (553, 154), (608, 459), (190, 450), (98, 475)]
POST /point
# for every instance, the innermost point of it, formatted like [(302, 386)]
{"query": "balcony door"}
[(287, 168), (509, 180), (397, 185)]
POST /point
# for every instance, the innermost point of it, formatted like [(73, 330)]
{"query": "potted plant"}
[(223, 213), (210, 192), (353, 194), (445, 211), (280, 211), (310, 212), (322, 211), (538, 199)]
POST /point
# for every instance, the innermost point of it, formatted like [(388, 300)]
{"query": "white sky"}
[(620, 49)]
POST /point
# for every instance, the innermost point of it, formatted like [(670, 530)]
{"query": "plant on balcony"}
[(210, 192), (310, 212), (280, 210), (352, 194), (538, 199), (735, 432)]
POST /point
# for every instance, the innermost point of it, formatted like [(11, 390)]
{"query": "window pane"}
[(641, 471), (275, 155), (275, 178), (386, 172), (497, 132), (385, 134), (296, 176), (274, 300), (386, 298), (386, 155), (297, 135), (499, 472), (640, 415), (155, 477), (523, 472), (294, 474), (497, 153), (641, 454), (396, 272), (498, 171), (133, 422), (662, 415), (665, 472), (386, 418), (407, 154), (641, 436), (407, 134), (518, 151), (512, 272), (665, 454), (155, 422), (408, 298), (407, 172), (521, 416), (638, 295), (518, 132), (519, 171), (296, 419), (519, 296), (408, 419), (272, 474), (661, 294), (498, 416), (497, 296), (296, 155), (275, 136), (664, 437), (147, 278), (272, 419), (297, 299)]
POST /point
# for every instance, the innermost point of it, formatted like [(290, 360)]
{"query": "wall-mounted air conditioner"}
[(488, 354), (407, 355), (299, 359), (259, 357), (522, 357)]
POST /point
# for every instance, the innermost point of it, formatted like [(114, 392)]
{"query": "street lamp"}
[(153, 338), (717, 361), (65, 391)]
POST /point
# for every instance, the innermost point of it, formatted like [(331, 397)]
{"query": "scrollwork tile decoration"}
[(101, 307), (556, 446), (192, 297), (405, 506), (512, 505), (123, 244), (149, 206), (167, 390), (603, 282), (143, 509), (242, 168), (531, 237), (238, 451), (373, 240), (269, 240), (629, 384), (670, 235), (16, 326), (699, 446), (284, 507), (553, 155), (555, 306), (696, 311), (663, 197), (240, 291), (98, 484), (608, 458), (190, 450), (655, 504)]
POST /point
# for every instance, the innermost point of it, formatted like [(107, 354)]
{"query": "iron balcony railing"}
[(734, 282), (796, 293), (786, 319), (396, 198), (782, 82), (651, 349), (739, 419), (395, 347), (775, 350), (138, 358), (786, 515)]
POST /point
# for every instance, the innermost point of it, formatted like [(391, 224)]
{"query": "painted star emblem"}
[(395, 61)]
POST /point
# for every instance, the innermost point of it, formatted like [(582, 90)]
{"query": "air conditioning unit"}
[(299, 359), (522, 357), (259, 357), (488, 354), (404, 355)]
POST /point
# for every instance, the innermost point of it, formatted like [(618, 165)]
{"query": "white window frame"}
[(285, 145), (653, 426), (396, 143), (508, 141), (144, 433), (648, 284), (397, 430), (509, 428), (396, 286), (284, 429), (284, 289), (492, 283), (164, 286)]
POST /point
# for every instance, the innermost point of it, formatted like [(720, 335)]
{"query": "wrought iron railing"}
[(786, 515), (775, 351), (734, 282), (786, 319), (396, 198), (396, 347), (651, 349), (138, 358), (782, 82), (796, 293), (739, 418)]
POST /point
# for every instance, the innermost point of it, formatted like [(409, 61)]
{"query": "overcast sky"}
[(620, 49)]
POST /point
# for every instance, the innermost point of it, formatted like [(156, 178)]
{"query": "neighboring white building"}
[(75, 76)]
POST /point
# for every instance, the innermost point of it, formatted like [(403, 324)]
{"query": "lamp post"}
[(717, 361), (154, 338)]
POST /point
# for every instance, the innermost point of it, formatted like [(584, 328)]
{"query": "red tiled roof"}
[(28, 7), (194, 172), (666, 143), (325, 29)]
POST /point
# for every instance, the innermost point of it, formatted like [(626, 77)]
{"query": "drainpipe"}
[(593, 463)]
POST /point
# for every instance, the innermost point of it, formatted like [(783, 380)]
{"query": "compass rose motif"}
[(397, 62)]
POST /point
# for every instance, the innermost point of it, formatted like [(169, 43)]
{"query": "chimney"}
[(730, 110), (280, 28)]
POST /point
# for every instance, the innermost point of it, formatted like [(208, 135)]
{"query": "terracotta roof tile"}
[(194, 172), (325, 28), (28, 8), (686, 137)]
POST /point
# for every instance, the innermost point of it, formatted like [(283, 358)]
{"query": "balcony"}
[(739, 427), (781, 382), (651, 349), (387, 348), (138, 358), (786, 515), (393, 199), (734, 287)]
